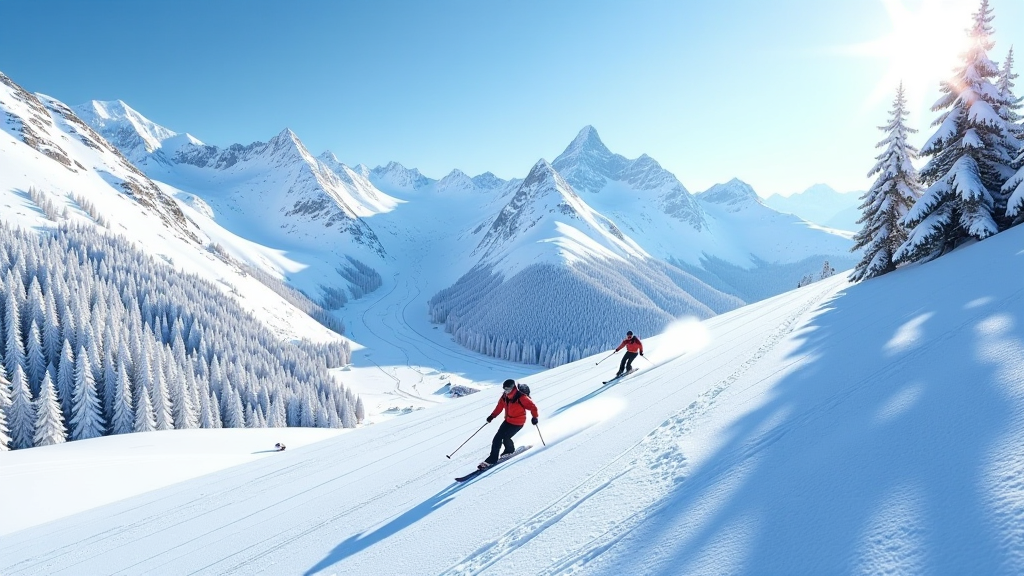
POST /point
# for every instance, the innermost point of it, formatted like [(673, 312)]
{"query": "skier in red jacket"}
[(515, 404), (633, 346)]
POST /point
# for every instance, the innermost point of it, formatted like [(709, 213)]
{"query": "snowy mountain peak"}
[(456, 180), (330, 159), (287, 141), (822, 205), (129, 131), (488, 181), (587, 163), (544, 176), (734, 192), (397, 178), (546, 220), (820, 190), (588, 140)]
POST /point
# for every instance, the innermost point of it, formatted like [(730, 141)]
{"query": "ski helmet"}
[(508, 384)]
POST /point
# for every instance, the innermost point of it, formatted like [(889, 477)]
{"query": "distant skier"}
[(279, 446), (633, 347), (515, 404)]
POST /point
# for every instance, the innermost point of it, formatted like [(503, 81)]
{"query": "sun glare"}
[(921, 49)]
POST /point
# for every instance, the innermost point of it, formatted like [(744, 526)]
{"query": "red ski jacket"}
[(515, 408), (632, 345)]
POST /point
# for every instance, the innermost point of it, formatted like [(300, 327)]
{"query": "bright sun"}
[(922, 48)]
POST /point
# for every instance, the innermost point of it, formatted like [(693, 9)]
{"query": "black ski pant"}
[(627, 361), (503, 437)]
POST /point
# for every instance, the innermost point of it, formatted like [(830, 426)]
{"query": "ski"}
[(621, 376), (501, 459)]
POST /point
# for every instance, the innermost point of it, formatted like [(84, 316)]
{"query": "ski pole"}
[(646, 358), (605, 358), (541, 435), (449, 456)]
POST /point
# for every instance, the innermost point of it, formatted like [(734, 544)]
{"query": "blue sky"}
[(781, 94)]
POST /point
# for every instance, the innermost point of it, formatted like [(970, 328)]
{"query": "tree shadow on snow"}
[(892, 446)]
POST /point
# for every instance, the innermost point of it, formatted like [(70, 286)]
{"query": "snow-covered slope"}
[(822, 205), (873, 428)]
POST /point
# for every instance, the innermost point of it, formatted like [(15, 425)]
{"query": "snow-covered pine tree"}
[(276, 417), (49, 419), (86, 413), (5, 406), (890, 198), (21, 415), (14, 347), (360, 411), (966, 170), (1013, 139), (1013, 189), (123, 417), (144, 419), (66, 379), (35, 360), (827, 271), (158, 393), (215, 418)]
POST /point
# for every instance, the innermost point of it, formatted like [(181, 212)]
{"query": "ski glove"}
[(489, 418), (641, 353), (534, 420)]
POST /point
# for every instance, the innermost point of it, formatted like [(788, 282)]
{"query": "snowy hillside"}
[(872, 428), (822, 205)]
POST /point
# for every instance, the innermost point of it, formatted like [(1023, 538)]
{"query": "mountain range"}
[(823, 205), (542, 269)]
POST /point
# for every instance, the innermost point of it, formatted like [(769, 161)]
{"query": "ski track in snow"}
[(655, 462)]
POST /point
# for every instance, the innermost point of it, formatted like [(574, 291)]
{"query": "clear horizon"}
[(785, 97)]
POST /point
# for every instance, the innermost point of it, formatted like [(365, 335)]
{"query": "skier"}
[(633, 346), (515, 404), (279, 446)]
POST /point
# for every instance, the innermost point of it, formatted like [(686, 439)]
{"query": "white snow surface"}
[(113, 468), (870, 428)]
